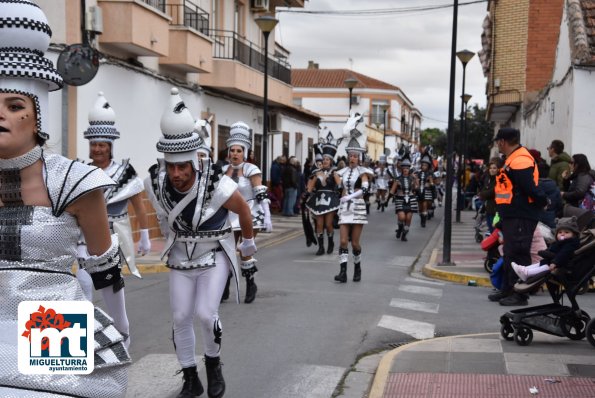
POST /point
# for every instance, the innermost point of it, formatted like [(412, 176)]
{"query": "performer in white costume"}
[(249, 179), (101, 134), (426, 187), (46, 200), (192, 204), (354, 181), (381, 180), (323, 199), (404, 189)]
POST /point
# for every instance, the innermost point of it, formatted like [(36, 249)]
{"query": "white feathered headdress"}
[(354, 133)]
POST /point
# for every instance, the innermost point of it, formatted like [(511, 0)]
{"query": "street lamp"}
[(466, 98), (384, 108), (350, 82), (266, 23), (463, 56)]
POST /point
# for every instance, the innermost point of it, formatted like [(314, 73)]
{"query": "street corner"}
[(461, 274)]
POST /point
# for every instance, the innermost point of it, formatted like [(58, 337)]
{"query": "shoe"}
[(320, 251), (331, 245), (498, 295), (342, 275), (251, 289), (514, 300), (399, 231), (520, 271), (404, 236), (215, 382), (192, 386)]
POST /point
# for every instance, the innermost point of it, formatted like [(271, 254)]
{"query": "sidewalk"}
[(284, 228), (481, 365)]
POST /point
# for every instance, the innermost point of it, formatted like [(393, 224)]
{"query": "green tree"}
[(436, 138), (479, 134)]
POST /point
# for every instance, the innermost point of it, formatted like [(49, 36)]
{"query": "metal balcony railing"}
[(230, 45), (190, 15), (158, 4)]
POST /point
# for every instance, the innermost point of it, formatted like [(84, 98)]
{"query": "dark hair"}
[(581, 163), (557, 146), (543, 169)]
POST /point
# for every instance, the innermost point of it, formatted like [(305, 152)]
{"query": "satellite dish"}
[(78, 64)]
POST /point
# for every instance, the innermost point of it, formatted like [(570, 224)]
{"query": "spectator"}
[(486, 193), (559, 163), (554, 208), (301, 187), (276, 182), (577, 180), (289, 177), (519, 201)]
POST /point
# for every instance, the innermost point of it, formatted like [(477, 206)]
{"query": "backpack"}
[(588, 202)]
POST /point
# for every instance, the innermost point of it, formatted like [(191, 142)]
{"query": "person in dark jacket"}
[(289, 177), (558, 254), (577, 180), (487, 195), (519, 202), (554, 208)]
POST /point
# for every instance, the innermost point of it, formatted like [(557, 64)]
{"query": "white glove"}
[(144, 245), (247, 247), (268, 225), (355, 195)]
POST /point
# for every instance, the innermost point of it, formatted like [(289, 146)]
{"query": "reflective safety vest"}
[(518, 160)]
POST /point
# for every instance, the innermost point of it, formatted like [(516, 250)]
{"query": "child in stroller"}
[(558, 254), (555, 318)]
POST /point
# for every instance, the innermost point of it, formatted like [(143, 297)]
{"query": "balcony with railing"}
[(135, 27), (238, 67), (191, 49)]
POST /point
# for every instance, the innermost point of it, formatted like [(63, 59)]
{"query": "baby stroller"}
[(480, 224), (555, 318)]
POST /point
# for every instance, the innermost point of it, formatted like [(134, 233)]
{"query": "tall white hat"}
[(203, 128), (179, 142), (354, 132), (24, 39), (102, 119), (240, 134)]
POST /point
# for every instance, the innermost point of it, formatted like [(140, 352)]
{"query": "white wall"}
[(583, 123)]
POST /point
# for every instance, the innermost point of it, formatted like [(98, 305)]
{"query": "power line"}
[(378, 11)]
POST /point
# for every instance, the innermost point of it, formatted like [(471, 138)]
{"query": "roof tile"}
[(334, 78)]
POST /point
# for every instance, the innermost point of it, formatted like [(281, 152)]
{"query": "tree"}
[(480, 134), (436, 138)]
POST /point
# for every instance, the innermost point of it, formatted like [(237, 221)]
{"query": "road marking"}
[(417, 329), (419, 280), (415, 305), (307, 381), (428, 291), (155, 373)]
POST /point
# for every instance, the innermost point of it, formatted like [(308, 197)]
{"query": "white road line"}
[(432, 308), (155, 373), (307, 381), (419, 280), (428, 291), (419, 330)]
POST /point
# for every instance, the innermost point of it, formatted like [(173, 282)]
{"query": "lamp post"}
[(466, 98), (350, 82), (463, 56), (385, 108), (266, 23)]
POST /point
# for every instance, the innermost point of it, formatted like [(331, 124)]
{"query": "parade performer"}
[(249, 179), (200, 248), (323, 196), (101, 134), (46, 201), (426, 193), (382, 179), (404, 189), (354, 181)]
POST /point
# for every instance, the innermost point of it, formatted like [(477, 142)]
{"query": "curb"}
[(379, 382), (457, 277)]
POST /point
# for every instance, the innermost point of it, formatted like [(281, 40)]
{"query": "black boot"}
[(331, 244), (215, 382), (248, 271), (192, 386), (320, 251), (344, 256), (225, 295), (423, 220), (399, 231), (404, 236), (357, 269)]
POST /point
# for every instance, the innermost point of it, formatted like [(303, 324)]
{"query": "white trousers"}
[(197, 293), (115, 303)]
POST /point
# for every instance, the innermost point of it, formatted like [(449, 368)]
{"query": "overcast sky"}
[(410, 50)]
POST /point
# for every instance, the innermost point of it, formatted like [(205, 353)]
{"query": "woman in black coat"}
[(577, 180)]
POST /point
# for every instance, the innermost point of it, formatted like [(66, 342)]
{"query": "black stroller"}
[(556, 318)]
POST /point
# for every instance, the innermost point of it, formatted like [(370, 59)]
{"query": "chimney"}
[(312, 65)]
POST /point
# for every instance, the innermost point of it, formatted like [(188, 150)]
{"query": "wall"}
[(582, 139)]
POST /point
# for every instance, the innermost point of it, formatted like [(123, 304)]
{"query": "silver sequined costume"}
[(37, 251), (247, 192), (354, 210)]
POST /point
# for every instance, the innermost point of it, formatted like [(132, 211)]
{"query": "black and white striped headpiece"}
[(102, 119), (179, 142), (24, 39), (240, 134)]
